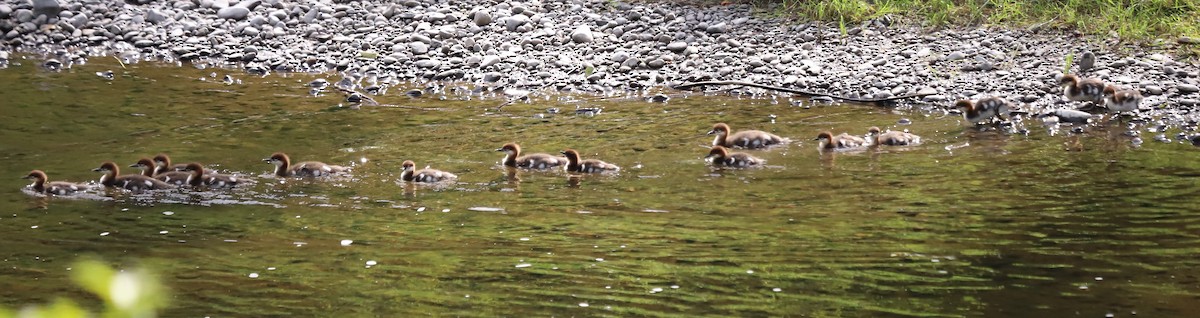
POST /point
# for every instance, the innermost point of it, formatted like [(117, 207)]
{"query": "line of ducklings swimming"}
[(1096, 92), (159, 173)]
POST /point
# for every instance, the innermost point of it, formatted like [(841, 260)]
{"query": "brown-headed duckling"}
[(840, 142), (162, 163), (743, 139), (892, 137), (719, 156), (199, 177), (574, 164), (411, 173), (1082, 89), (135, 182), (984, 109), (52, 187), (1125, 100), (173, 177), (539, 161), (285, 168)]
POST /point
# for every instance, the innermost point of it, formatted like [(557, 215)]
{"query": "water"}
[(972, 223)]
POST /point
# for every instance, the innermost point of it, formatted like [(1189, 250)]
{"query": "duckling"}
[(743, 139), (285, 168), (135, 182), (587, 166), (177, 178), (840, 142), (719, 156), (199, 176), (162, 163), (984, 109), (56, 187), (539, 161), (892, 137), (1121, 100), (424, 175), (1082, 89)]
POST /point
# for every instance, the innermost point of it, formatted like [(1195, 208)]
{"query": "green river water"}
[(970, 223)]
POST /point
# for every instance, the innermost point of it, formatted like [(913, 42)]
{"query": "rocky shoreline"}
[(595, 46)]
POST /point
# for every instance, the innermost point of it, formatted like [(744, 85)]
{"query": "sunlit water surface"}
[(971, 223)]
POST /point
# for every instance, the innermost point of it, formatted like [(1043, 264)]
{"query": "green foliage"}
[(1129, 19), (1067, 62), (125, 294)]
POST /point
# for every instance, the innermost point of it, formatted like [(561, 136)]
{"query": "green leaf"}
[(95, 277)]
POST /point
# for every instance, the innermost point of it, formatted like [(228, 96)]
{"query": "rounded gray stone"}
[(482, 18), (1187, 88), (233, 13), (582, 34), (677, 46)]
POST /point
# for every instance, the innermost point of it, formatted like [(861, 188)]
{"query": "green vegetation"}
[(124, 293), (1129, 19)]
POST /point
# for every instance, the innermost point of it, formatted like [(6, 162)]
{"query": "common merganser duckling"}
[(1082, 89), (212, 180), (56, 187), (587, 166), (513, 158), (162, 163), (177, 178), (424, 175), (840, 142), (146, 165), (892, 137), (135, 182), (744, 139), (984, 109), (720, 156), (285, 168), (1122, 100)]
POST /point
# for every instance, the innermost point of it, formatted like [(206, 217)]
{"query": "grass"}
[(1129, 19)]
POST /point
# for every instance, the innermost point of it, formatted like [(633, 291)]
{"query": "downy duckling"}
[(285, 168), (539, 161), (587, 166), (1126, 100), (177, 178), (56, 187), (162, 163), (135, 182), (744, 139), (1082, 89), (424, 175), (840, 142), (719, 156), (984, 109), (892, 137), (199, 176)]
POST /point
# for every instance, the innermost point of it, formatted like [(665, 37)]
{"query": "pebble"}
[(582, 34), (482, 18), (233, 13), (1187, 88)]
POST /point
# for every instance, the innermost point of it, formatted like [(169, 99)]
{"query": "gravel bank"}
[(591, 46)]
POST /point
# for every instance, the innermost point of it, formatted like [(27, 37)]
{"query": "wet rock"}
[(5, 11)]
